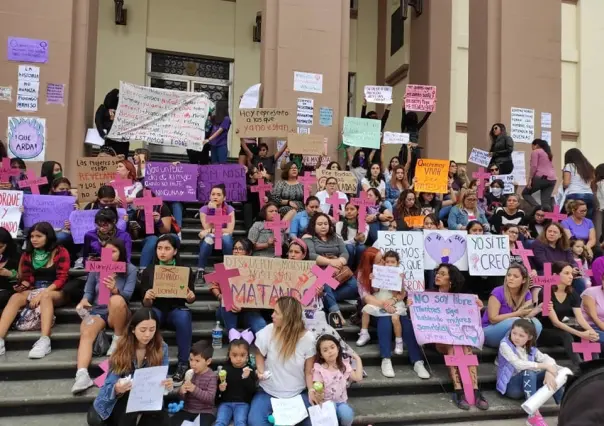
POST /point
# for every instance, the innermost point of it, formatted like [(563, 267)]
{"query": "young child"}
[(581, 260), (390, 258), (331, 374), (199, 388), (237, 381), (523, 368)]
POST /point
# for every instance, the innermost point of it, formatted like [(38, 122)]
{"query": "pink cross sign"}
[(587, 349), (462, 361), (221, 276), (481, 175), (218, 220), (307, 181), (362, 203), (276, 225), (336, 202), (120, 186), (33, 182), (100, 381), (524, 254), (324, 277), (261, 188), (147, 202), (546, 281), (105, 267), (6, 171), (555, 216)]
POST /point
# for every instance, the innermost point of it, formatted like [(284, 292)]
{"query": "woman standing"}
[(264, 239), (218, 140), (578, 179), (510, 214), (288, 193), (358, 164), (286, 349), (501, 150), (466, 211), (542, 176), (389, 172)]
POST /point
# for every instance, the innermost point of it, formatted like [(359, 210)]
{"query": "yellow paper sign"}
[(347, 183), (306, 144), (171, 281), (94, 172), (432, 176), (266, 123), (414, 221)]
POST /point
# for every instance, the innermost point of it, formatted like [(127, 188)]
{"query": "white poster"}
[(10, 210), (410, 247), (519, 168), (523, 125), (323, 414), (29, 73), (546, 135), (393, 138), (387, 278), (308, 82), (147, 393), (546, 120), (289, 411), (508, 181), (480, 157), (378, 94), (251, 97), (27, 103), (160, 116), (305, 112), (488, 255), (6, 93), (445, 247)]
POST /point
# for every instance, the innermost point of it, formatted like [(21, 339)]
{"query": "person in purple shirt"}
[(218, 140), (580, 227), (551, 246), (105, 221)]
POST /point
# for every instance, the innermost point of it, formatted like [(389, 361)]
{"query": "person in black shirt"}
[(374, 156), (9, 261), (262, 161), (411, 124), (510, 214)]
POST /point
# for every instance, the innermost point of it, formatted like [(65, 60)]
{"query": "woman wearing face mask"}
[(510, 214), (264, 239), (466, 211), (358, 164), (494, 197), (50, 170), (331, 188), (501, 149), (348, 230), (9, 261), (396, 184)]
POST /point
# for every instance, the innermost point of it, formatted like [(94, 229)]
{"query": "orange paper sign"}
[(432, 176), (414, 221)]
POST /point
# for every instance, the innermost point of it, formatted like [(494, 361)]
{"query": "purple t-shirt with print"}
[(498, 293)]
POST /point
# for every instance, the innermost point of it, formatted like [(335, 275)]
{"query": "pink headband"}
[(300, 243)]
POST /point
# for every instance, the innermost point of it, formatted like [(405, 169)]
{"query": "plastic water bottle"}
[(217, 336)]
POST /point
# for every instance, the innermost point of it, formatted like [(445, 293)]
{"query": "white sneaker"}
[(420, 370), (364, 338), (2, 348), (398, 348), (82, 381), (79, 264), (114, 340), (387, 369), (41, 348)]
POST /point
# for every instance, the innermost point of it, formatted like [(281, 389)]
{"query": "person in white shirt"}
[(331, 187), (578, 178)]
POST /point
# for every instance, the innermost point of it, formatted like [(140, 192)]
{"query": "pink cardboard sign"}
[(336, 202), (324, 277), (555, 216), (261, 188), (307, 180), (481, 175), (221, 276), (100, 381), (120, 186), (420, 98), (546, 281), (6, 171), (587, 349), (105, 267), (147, 202), (276, 225), (462, 361), (362, 203), (33, 182), (524, 254), (218, 219)]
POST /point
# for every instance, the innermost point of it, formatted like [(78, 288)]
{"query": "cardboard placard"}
[(410, 247), (420, 98), (480, 157), (432, 176), (488, 255), (378, 94), (415, 221), (94, 172), (306, 144), (393, 138), (362, 132), (232, 176), (443, 246), (171, 281), (387, 278), (266, 123), (347, 183)]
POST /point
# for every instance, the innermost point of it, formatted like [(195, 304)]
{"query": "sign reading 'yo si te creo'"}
[(26, 138)]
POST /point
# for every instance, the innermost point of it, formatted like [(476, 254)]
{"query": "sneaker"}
[(79, 264), (179, 377), (536, 420), (420, 370), (364, 338), (387, 369), (398, 347), (2, 348), (480, 401), (82, 381), (114, 340), (459, 399), (41, 348)]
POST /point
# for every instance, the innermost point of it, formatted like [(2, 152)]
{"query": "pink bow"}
[(246, 335)]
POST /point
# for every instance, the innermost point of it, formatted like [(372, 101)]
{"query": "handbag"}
[(101, 344), (342, 274), (30, 319)]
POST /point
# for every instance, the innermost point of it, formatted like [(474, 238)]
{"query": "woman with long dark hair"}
[(502, 146), (218, 140), (9, 261), (50, 170), (410, 153), (578, 179), (542, 176)]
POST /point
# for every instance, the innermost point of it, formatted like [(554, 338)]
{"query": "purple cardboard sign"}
[(231, 175), (82, 221), (55, 94), (54, 209), (172, 182), (27, 50)]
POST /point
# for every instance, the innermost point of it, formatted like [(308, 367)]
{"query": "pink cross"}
[(586, 348), (276, 225), (524, 254), (100, 381), (120, 186), (462, 361), (335, 201), (481, 175), (362, 203), (106, 267), (546, 281), (33, 182), (307, 180), (555, 216), (218, 219), (261, 188), (6, 171), (221, 276), (147, 202), (324, 277)]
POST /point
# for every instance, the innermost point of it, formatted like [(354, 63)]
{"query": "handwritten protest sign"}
[(266, 123), (414, 221), (326, 116), (82, 221), (161, 116), (378, 94), (450, 319), (231, 175), (10, 213), (432, 176), (522, 127), (410, 248), (480, 157), (420, 98), (392, 138), (306, 144), (445, 247), (54, 209), (172, 182), (263, 280), (362, 132), (147, 392), (94, 172), (171, 281), (387, 278), (519, 167), (508, 183), (347, 183), (488, 255), (305, 112)]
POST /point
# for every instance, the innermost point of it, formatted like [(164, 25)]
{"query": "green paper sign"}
[(362, 132)]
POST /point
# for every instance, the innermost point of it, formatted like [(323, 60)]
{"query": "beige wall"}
[(364, 39), (459, 79)]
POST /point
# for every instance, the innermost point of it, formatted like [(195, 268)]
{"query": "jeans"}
[(600, 333), (179, 320), (372, 235), (236, 411), (580, 284), (251, 319), (384, 332), (388, 206), (589, 200), (345, 291), (557, 337), (526, 383), (494, 333), (539, 184), (443, 214), (177, 209), (345, 413), (148, 251), (66, 240), (218, 154), (205, 249), (261, 408), (355, 251)]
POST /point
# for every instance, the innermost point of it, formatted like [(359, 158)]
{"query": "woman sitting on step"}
[(171, 311), (264, 239), (43, 271), (9, 261), (96, 316)]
